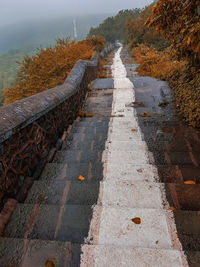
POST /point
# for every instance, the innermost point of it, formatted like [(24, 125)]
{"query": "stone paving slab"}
[(70, 171), (120, 256), (132, 195), (102, 83), (31, 253), (116, 228), (131, 172), (65, 192), (77, 156)]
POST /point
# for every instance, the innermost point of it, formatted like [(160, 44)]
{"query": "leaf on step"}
[(189, 182), (50, 263), (82, 113), (114, 116), (172, 208), (136, 220), (133, 130), (81, 178), (145, 114), (140, 170), (89, 115)]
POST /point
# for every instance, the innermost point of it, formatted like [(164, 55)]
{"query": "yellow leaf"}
[(189, 182), (81, 178)]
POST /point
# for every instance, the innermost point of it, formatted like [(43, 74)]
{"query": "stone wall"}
[(31, 126)]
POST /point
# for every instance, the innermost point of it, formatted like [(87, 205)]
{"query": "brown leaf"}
[(145, 114), (136, 220), (50, 263), (172, 208), (133, 130)]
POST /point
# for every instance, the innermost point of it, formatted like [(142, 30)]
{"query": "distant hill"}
[(114, 28), (17, 41), (45, 32)]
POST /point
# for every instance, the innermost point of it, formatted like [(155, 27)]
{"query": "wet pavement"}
[(175, 148), (55, 219)]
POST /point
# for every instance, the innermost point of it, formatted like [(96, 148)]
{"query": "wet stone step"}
[(183, 196), (178, 174), (77, 156), (177, 158), (63, 192), (188, 228), (32, 253), (94, 122), (84, 137), (70, 171), (91, 130), (86, 141), (87, 145), (50, 222)]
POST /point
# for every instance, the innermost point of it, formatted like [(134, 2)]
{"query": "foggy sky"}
[(12, 11)]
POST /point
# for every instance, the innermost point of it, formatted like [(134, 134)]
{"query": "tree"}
[(139, 33), (179, 22), (113, 28)]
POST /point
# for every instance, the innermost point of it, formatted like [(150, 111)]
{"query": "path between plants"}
[(138, 200)]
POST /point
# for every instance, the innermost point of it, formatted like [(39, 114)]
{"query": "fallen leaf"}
[(50, 263), (82, 113), (90, 121), (172, 208), (89, 115), (81, 178), (140, 170), (189, 182), (136, 220), (133, 130), (145, 114)]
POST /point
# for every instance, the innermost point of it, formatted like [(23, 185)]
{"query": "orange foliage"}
[(178, 21), (50, 67), (138, 32), (154, 63)]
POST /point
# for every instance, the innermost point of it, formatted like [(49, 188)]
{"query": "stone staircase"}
[(128, 174)]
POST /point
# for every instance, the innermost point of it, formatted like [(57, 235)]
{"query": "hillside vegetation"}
[(113, 28), (23, 39), (178, 22), (50, 67)]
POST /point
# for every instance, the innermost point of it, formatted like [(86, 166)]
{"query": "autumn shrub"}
[(183, 79), (179, 23), (50, 67)]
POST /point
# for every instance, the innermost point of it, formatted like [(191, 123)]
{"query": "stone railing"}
[(31, 126)]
